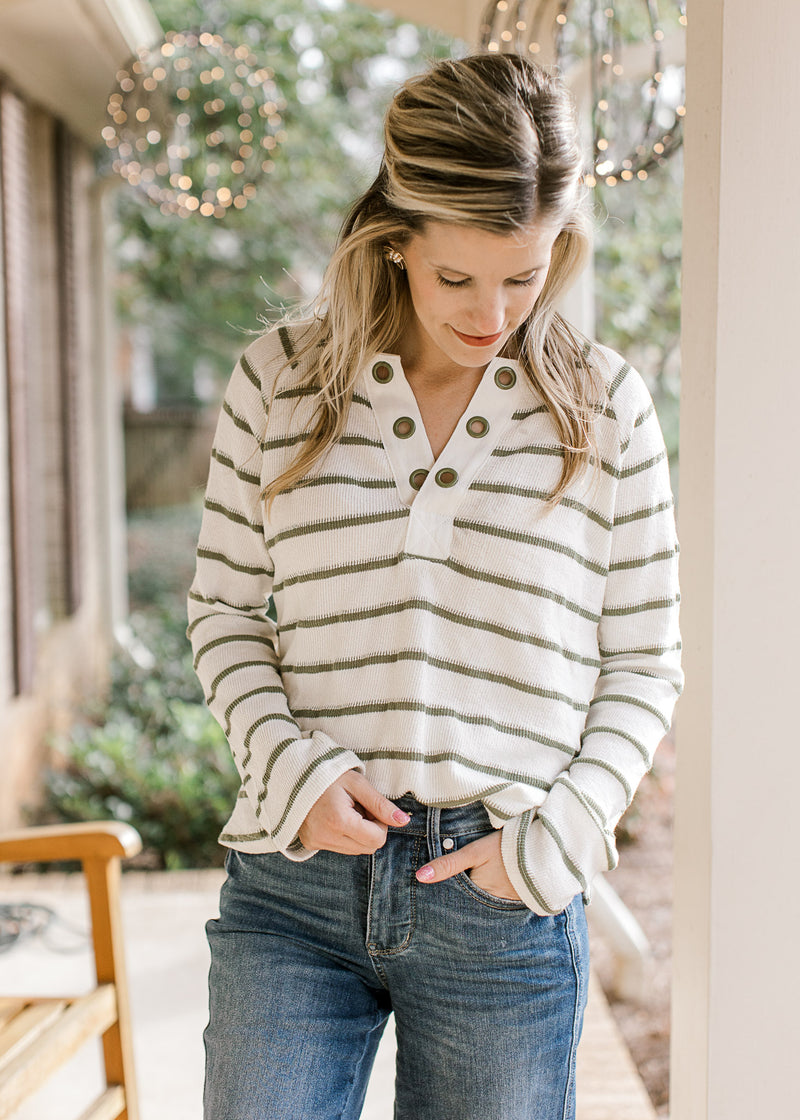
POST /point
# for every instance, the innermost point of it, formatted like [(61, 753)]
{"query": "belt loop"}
[(433, 831)]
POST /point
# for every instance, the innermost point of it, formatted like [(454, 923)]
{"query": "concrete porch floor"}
[(163, 918)]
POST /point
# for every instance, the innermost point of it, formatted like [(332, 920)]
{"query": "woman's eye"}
[(450, 283), (525, 283)]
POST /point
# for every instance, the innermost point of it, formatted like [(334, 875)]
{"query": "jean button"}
[(448, 843)]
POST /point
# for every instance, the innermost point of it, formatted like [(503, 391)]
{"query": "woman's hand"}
[(351, 817), (482, 859)]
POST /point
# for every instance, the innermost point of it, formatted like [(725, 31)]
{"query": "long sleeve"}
[(283, 769), (553, 852)]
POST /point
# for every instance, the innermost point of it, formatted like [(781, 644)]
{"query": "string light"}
[(594, 32), (196, 123)]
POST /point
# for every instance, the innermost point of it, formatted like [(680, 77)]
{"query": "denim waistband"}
[(455, 820)]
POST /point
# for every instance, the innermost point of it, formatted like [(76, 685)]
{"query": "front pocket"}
[(486, 899)]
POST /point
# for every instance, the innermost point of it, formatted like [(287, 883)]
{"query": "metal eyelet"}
[(382, 372), (477, 426), (505, 377), (404, 427), (417, 478), (446, 477)]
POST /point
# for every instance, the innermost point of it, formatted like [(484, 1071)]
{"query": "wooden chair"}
[(38, 1035)]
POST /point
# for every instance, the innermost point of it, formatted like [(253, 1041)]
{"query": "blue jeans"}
[(309, 959)]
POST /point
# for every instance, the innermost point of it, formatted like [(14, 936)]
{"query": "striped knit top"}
[(437, 627)]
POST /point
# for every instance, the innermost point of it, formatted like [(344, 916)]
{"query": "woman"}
[(461, 512)]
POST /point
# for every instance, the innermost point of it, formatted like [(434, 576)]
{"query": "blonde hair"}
[(489, 140)]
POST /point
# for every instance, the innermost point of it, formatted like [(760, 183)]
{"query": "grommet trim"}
[(446, 477), (416, 478), (505, 377), (477, 426), (404, 427), (382, 372)]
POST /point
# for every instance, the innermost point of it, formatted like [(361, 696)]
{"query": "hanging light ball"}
[(194, 124), (637, 117)]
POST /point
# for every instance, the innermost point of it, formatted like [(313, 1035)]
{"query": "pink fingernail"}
[(401, 817), (425, 874)]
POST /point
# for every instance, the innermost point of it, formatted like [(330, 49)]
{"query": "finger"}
[(369, 835), (445, 867), (380, 807)]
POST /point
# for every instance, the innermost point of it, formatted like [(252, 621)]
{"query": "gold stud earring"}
[(395, 257)]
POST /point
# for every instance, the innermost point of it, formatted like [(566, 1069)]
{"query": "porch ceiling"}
[(456, 17), (64, 54)]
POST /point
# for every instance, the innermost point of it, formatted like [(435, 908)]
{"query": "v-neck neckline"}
[(439, 483)]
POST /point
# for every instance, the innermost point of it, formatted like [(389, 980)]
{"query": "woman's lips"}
[(478, 340)]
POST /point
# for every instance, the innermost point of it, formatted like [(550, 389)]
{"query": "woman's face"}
[(471, 289)]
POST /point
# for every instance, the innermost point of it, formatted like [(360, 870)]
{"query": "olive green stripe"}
[(276, 753), (461, 670), (558, 452), (637, 468), (227, 672), (201, 618), (638, 608), (298, 391), (640, 419), (542, 495), (634, 701), (262, 721), (595, 814), (467, 621), (243, 837), (600, 730), (263, 690), (301, 437), (232, 515), (225, 461), (338, 523), (340, 570), (221, 558), (461, 569), (239, 421), (238, 607), (572, 867), (342, 480), (301, 781), (530, 449), (651, 651), (491, 807), (475, 765), (590, 760), (226, 639), (379, 707), (677, 688), (532, 539), (522, 861), (642, 514), (286, 343), (643, 561), (518, 585), (618, 380), (250, 373), (525, 413)]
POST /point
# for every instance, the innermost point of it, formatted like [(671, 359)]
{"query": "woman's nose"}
[(488, 315)]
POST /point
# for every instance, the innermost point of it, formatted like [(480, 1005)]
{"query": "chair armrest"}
[(93, 840)]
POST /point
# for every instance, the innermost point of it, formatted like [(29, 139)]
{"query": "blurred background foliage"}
[(201, 282), (151, 753)]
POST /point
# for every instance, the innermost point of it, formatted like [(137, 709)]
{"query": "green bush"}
[(152, 755)]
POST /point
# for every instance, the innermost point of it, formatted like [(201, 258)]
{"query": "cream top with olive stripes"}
[(438, 628)]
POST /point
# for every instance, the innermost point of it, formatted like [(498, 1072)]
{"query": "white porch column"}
[(737, 905)]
